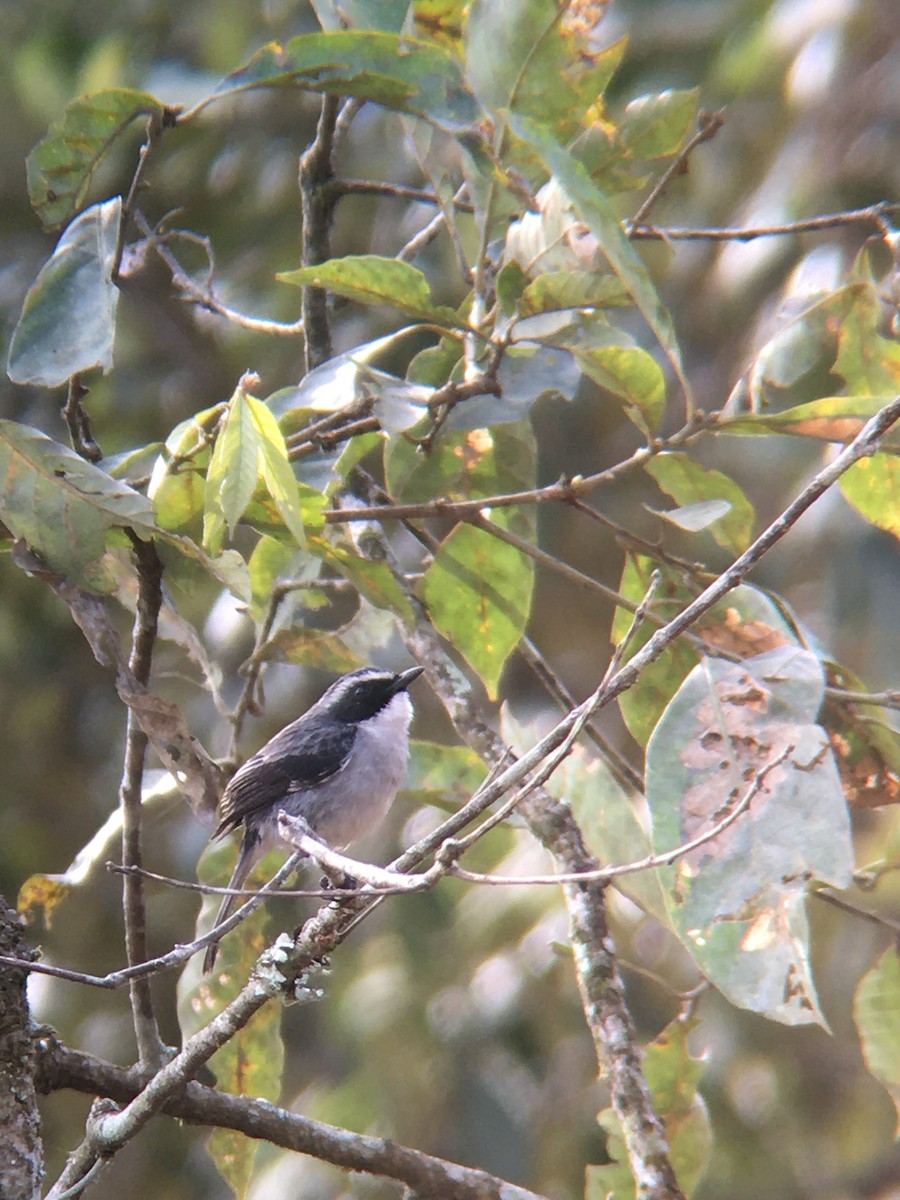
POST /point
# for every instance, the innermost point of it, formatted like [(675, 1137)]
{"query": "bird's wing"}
[(295, 758)]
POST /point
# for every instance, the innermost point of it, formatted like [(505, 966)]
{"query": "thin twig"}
[(398, 191), (710, 124), (205, 297), (154, 130), (649, 862), (873, 215)]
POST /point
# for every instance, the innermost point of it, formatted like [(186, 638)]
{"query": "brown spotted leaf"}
[(737, 901)]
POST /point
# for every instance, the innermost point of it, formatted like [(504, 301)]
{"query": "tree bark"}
[(21, 1148)]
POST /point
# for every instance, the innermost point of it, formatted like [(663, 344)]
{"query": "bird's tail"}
[(247, 857)]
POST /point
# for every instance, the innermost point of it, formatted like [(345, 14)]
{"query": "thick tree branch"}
[(317, 200), (21, 1162), (59, 1067)]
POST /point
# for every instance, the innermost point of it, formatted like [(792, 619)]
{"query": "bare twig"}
[(873, 215), (203, 296), (562, 492), (398, 191)]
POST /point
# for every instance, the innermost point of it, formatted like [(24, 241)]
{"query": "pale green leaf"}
[(872, 486), (656, 125), (61, 505), (876, 1009), (68, 320), (633, 374), (276, 469), (233, 471)]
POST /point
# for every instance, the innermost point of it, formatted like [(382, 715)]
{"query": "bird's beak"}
[(405, 678)]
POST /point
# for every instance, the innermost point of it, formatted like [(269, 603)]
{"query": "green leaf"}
[(868, 362), (656, 125), (374, 580), (250, 449), (276, 468), (402, 73), (371, 279), (178, 481), (642, 705), (61, 505), (482, 462), (511, 282), (872, 486), (327, 651), (233, 471), (443, 775), (387, 15), (689, 483), (517, 58), (478, 593), (595, 211), (60, 166), (737, 901), (633, 374), (876, 1009), (833, 419), (558, 291), (268, 562), (68, 320), (672, 1073)]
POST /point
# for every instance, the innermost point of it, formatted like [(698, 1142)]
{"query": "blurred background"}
[(452, 1021)]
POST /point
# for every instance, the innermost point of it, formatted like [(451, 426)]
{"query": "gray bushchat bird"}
[(339, 766)]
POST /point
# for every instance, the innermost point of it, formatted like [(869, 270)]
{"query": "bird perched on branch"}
[(339, 766)]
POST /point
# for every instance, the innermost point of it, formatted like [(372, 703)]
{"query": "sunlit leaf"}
[(690, 483), (68, 320), (832, 419), (374, 580), (692, 518), (561, 290), (178, 481), (402, 73), (633, 374), (276, 469), (250, 450), (737, 901), (371, 279), (326, 651), (876, 1009), (656, 125), (872, 486), (60, 166)]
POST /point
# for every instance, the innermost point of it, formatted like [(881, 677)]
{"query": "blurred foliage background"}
[(452, 1022)]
